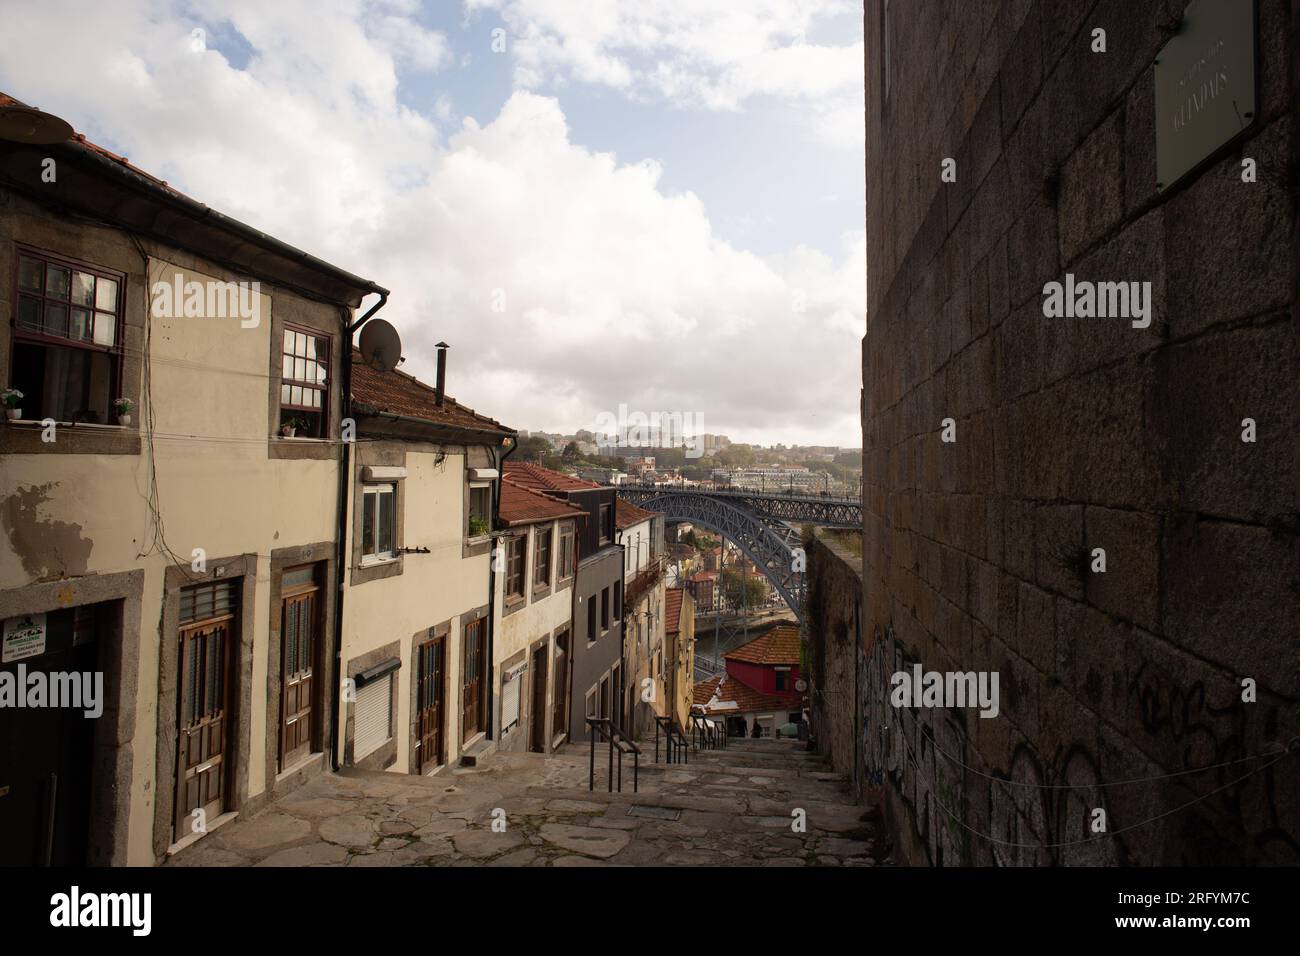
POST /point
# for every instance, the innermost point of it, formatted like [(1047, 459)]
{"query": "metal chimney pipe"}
[(441, 387)]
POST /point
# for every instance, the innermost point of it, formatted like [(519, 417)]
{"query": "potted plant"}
[(478, 525), (289, 427), (123, 408), (12, 400)]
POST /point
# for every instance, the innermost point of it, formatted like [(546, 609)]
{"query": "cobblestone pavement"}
[(725, 808)]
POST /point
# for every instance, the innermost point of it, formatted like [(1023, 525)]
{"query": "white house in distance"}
[(641, 533)]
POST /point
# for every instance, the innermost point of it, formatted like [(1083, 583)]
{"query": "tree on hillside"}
[(570, 453), (533, 448)]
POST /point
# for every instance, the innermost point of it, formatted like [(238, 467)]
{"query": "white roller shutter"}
[(510, 691), (374, 712)]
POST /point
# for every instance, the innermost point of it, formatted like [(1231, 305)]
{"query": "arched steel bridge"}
[(759, 523)]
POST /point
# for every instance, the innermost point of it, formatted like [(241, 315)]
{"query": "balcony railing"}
[(643, 581)]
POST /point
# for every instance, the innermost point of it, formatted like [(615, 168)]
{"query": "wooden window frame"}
[(542, 557), (48, 340), (606, 534), (288, 409), (377, 488), (516, 552), (567, 549)]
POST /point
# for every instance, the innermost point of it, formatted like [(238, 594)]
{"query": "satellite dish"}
[(381, 347), (22, 124)]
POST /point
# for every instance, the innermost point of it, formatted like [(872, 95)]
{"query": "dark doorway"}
[(46, 753)]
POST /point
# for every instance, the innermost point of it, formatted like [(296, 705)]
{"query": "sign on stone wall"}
[(1205, 85)]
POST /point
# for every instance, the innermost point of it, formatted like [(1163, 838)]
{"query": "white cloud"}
[(709, 54), (616, 290)]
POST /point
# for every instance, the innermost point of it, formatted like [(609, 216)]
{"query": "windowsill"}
[(308, 439), (375, 562), (193, 838), (478, 538), (39, 423)]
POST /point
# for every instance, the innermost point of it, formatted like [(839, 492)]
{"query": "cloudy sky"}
[(655, 203)]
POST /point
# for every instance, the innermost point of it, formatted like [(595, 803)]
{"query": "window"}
[(591, 617), (515, 567), (542, 559), (618, 600), (565, 567), (591, 703), (606, 531), (379, 522), (374, 716), (480, 510), (67, 349), (304, 382), (783, 678), (604, 610)]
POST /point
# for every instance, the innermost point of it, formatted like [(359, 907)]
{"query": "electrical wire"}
[(1100, 837)]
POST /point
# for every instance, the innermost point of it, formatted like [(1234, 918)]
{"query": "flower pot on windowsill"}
[(288, 431), (124, 420), (13, 414)]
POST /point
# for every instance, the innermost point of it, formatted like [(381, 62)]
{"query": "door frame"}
[(417, 752), (538, 711), (228, 745), (479, 627), (317, 588)]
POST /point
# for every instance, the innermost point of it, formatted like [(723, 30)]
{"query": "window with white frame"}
[(379, 522)]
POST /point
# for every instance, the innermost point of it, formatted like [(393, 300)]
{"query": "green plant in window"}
[(478, 525)]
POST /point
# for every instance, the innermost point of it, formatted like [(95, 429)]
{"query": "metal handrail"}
[(676, 744), (618, 740)]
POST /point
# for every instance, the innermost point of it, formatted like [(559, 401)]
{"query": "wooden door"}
[(430, 695), (201, 729), (473, 693), (538, 718), (299, 641)]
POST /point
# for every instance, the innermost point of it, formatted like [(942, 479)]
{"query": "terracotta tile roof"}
[(520, 505), (710, 576), (726, 694), (538, 478), (778, 646), (400, 394), (627, 514), (673, 609)]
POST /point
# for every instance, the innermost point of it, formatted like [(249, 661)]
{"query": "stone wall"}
[(832, 631), (1073, 435)]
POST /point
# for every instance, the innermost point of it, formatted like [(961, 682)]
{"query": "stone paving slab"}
[(734, 808)]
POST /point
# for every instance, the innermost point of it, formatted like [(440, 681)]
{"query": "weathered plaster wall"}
[(78, 509)]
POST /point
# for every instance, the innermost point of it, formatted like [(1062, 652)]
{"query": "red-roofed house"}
[(758, 687), (419, 627), (677, 671), (534, 608), (598, 685)]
